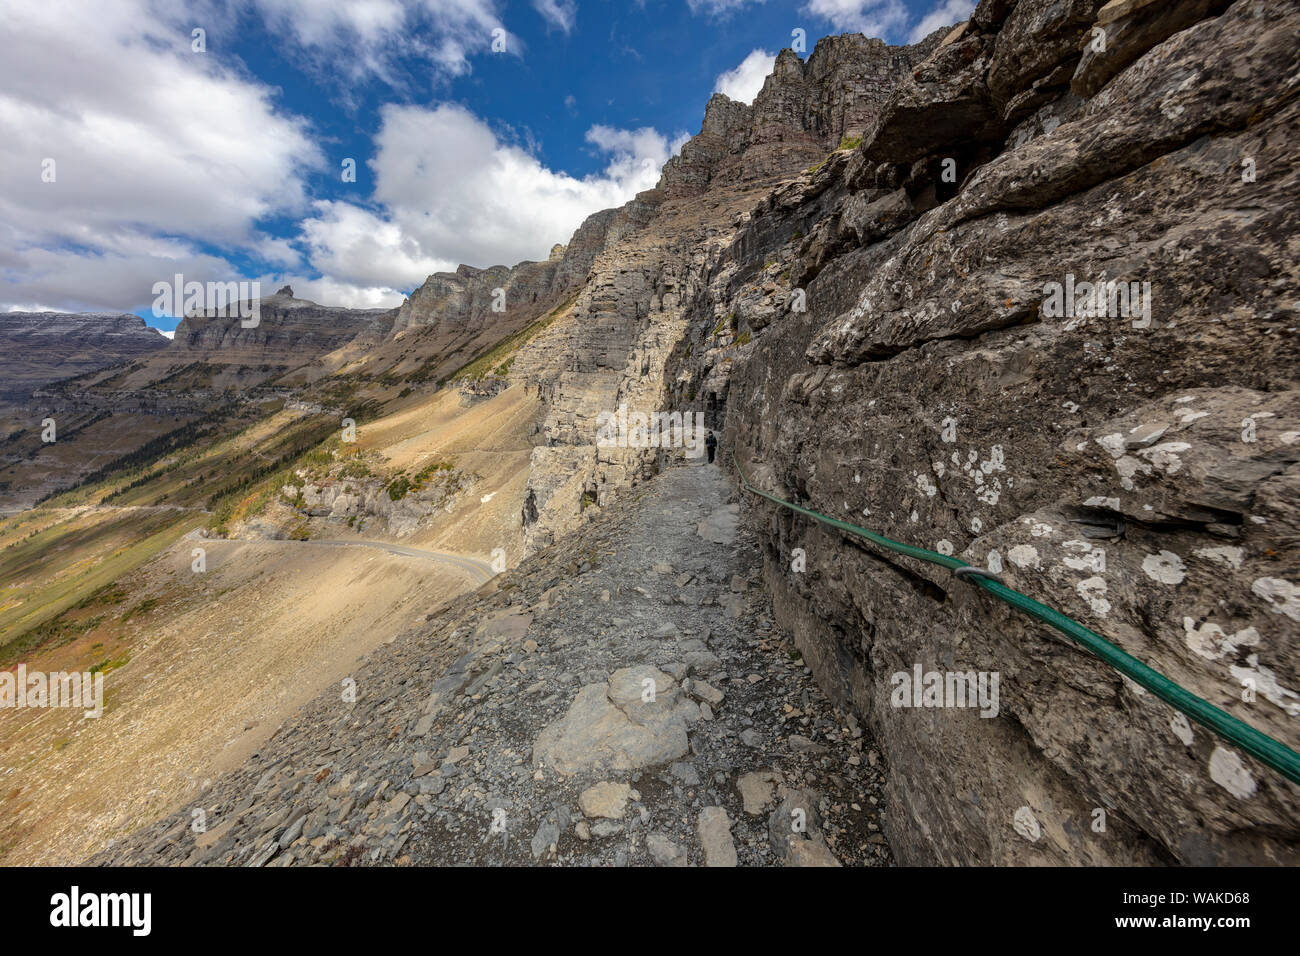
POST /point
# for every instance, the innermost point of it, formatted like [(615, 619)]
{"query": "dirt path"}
[(515, 727), (478, 570)]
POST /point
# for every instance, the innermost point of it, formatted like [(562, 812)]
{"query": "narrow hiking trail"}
[(478, 570), (621, 698)]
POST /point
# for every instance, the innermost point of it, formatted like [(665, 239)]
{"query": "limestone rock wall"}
[(650, 283), (1136, 467)]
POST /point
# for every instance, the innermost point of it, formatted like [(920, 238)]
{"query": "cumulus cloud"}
[(80, 280), (330, 291), (743, 83), (152, 150), (448, 190), (370, 37), (166, 160), (875, 18), (946, 12), (361, 247)]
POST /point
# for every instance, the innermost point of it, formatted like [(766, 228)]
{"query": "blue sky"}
[(128, 155)]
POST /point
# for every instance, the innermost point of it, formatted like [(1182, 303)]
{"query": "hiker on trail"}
[(711, 445)]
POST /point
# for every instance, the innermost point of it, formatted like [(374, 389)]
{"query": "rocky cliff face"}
[(613, 350), (900, 333), (37, 348), (465, 299), (286, 326), (1135, 464)]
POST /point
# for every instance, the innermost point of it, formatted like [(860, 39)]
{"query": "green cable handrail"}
[(1272, 752)]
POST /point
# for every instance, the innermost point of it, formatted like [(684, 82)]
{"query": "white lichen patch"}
[(1088, 558), (1264, 681), (1165, 456), (944, 546), (1182, 728), (995, 562), (1092, 590), (1026, 824), (1229, 772), (1024, 556), (997, 461), (1212, 642), (1165, 567), (1114, 444), (1040, 530), (1282, 596), (1226, 555)]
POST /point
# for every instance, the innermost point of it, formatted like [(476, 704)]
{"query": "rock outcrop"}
[(614, 348), (1132, 460), (471, 298), (899, 333), (38, 348), (287, 327)]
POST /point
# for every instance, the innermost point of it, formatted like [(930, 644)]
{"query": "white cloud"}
[(875, 18), (79, 280), (743, 83), (354, 245), (945, 13), (163, 154), (360, 37), (155, 149), (450, 190), (329, 291), (560, 14)]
